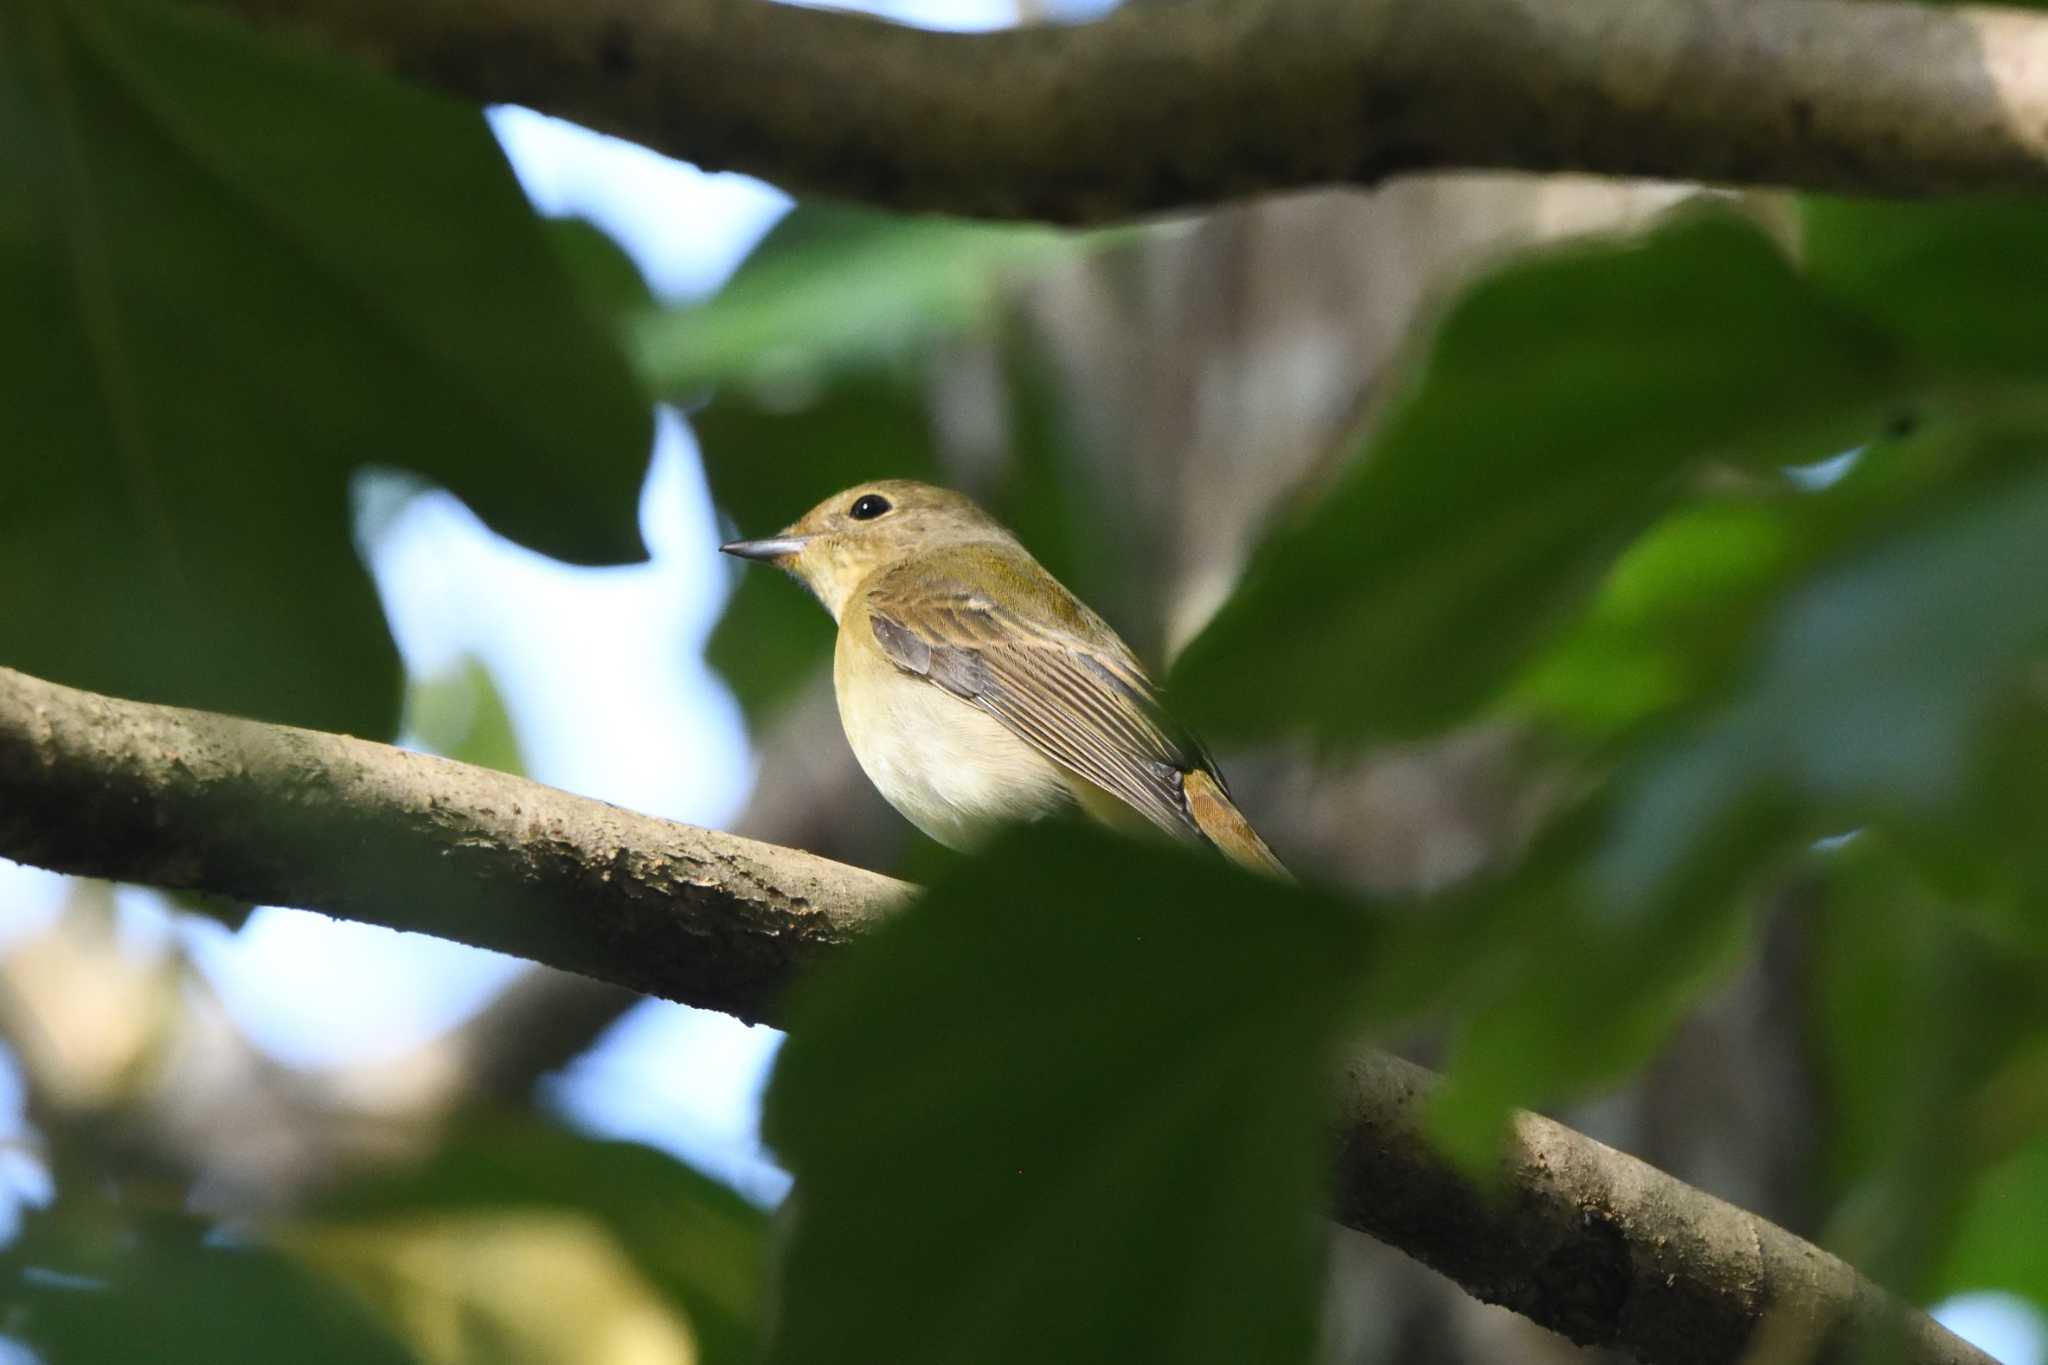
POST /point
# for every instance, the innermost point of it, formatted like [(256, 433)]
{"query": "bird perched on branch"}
[(976, 690)]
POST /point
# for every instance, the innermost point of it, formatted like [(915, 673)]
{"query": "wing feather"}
[(1086, 705)]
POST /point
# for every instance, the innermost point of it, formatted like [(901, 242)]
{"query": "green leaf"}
[(1674, 622), (1670, 621), (1958, 280), (546, 1209), (197, 1306), (1560, 407), (1070, 1107), (1874, 694), (1907, 1107), (834, 288), (609, 280), (1560, 994), (1998, 1242), (1872, 686), (237, 271), (460, 714)]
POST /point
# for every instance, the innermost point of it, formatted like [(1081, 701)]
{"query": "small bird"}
[(976, 690)]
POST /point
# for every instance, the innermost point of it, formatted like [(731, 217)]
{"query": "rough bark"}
[(1578, 1236), (1163, 106), (1601, 1247), (189, 800)]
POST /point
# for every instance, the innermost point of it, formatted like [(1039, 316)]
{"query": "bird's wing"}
[(1085, 704)]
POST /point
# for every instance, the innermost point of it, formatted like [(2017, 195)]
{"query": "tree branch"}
[(1582, 1239), (1165, 106), (189, 800)]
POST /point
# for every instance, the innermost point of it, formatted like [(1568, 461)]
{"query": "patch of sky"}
[(2004, 1326), (1823, 474)]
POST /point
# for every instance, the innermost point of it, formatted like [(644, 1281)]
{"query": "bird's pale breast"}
[(952, 770)]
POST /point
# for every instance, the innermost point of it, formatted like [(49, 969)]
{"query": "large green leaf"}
[(238, 270), (1559, 994), (1914, 1112), (833, 289), (1675, 620), (1998, 1242), (1071, 1107), (196, 1306), (1882, 690), (1960, 281), (1872, 688), (622, 1219), (1669, 621), (1560, 408)]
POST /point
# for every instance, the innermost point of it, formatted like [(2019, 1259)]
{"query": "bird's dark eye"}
[(868, 506)]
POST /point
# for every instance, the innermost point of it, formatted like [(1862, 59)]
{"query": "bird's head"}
[(836, 545)]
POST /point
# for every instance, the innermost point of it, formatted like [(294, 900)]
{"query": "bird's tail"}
[(1224, 825)]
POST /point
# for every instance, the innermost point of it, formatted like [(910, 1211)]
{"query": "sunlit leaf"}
[(1675, 620), (1998, 1242), (1560, 408), (833, 289), (645, 1237), (1070, 1108), (1669, 622), (238, 269), (460, 714)]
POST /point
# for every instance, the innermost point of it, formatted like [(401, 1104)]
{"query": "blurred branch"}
[(1579, 1237), (534, 1027), (1164, 106)]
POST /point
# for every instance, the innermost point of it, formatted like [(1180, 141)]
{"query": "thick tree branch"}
[(1165, 106), (1583, 1238), (194, 801)]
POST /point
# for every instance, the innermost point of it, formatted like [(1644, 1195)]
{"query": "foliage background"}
[(1641, 631)]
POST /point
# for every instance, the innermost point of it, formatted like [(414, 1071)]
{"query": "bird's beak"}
[(771, 549)]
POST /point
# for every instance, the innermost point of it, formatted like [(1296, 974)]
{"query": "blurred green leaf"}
[(1958, 280), (1559, 995), (545, 1207), (237, 270), (1670, 621), (1674, 621), (833, 289), (611, 284), (1867, 699), (1998, 1242), (1871, 687), (1903, 1138), (460, 714), (1881, 689), (769, 458), (197, 1306), (1071, 1107), (1561, 405)]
